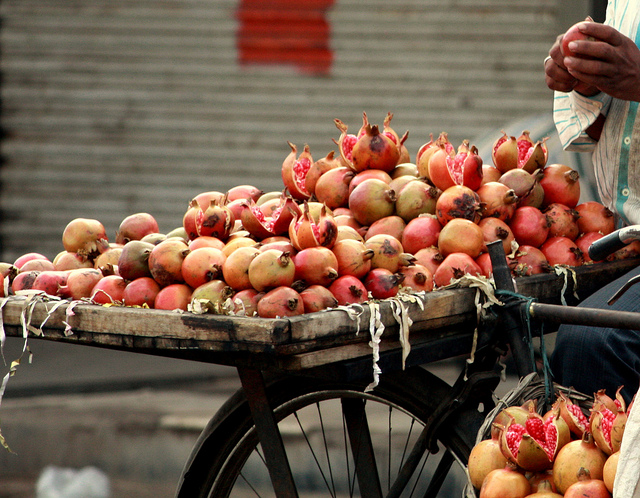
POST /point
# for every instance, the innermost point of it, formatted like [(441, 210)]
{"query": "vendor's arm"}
[(579, 109)]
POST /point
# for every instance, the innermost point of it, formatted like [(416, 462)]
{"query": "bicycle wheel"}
[(312, 416)]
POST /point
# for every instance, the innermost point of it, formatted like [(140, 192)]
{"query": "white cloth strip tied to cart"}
[(627, 480)]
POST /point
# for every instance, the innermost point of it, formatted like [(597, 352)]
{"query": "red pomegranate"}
[(594, 217), (455, 266), (458, 202), (485, 457), (505, 483), (50, 281), (202, 265), (348, 289), (388, 253), (71, 260), (261, 225), (372, 200), (586, 487), (509, 153), (353, 257), (382, 284), (109, 290), (311, 231), (563, 221), (417, 277), (280, 302), (368, 174), (165, 261), (235, 268), (316, 266), (529, 226), (317, 298), (216, 220), (421, 232), (497, 200), (495, 229), (85, 236), (584, 241), (447, 169), (134, 260), (80, 282), (581, 453), (243, 192), (141, 292), (245, 302), (562, 251), (173, 297), (333, 187), (318, 168), (136, 226), (461, 235), (530, 261), (561, 184), (429, 257), (271, 269), (416, 197), (389, 225)]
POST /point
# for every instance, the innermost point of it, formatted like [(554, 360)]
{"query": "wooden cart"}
[(441, 326)]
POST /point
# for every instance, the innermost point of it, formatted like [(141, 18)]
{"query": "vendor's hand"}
[(611, 63), (558, 77)]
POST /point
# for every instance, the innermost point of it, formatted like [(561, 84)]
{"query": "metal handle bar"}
[(585, 316), (610, 243)]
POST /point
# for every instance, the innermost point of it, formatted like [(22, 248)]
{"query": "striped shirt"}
[(616, 156)]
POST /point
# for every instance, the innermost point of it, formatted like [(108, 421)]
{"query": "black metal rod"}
[(514, 329), (585, 316)]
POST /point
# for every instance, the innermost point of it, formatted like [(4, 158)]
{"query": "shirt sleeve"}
[(573, 114)]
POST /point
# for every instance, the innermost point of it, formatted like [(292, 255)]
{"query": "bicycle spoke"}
[(326, 450), (439, 475), (362, 447)]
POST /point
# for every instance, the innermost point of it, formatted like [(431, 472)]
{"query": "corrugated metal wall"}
[(112, 107)]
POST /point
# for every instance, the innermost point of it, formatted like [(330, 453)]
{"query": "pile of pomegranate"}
[(364, 223), (565, 452)]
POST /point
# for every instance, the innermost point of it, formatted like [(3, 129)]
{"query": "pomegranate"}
[(165, 261), (404, 169), (426, 151), (530, 261), (245, 302), (204, 199), (316, 266), (389, 225), (70, 260), (85, 236), (243, 192), (216, 220), (631, 250), (607, 423), (417, 277), (525, 185), (109, 290), (279, 302), (573, 34), (235, 268), (333, 188), (485, 457), (202, 265), (271, 269), (495, 229), (371, 150), (421, 232), (348, 220), (561, 184), (141, 292), (485, 264), (263, 226), (609, 471), (458, 202), (38, 265), (455, 266), (505, 483), (353, 257), (382, 284), (398, 183), (543, 488), (369, 174), (586, 487), (23, 281), (461, 235), (372, 200), (490, 173), (429, 257), (21, 260), (594, 217), (109, 258), (388, 253), (574, 455), (572, 414), (50, 281), (509, 153), (529, 226), (80, 282), (206, 241), (348, 289), (447, 169), (563, 221), (311, 231), (173, 297), (136, 226), (512, 414), (416, 197), (585, 240), (317, 298), (497, 200), (562, 251), (213, 297), (295, 170), (318, 168), (154, 238), (534, 445), (237, 243), (134, 260), (347, 232)]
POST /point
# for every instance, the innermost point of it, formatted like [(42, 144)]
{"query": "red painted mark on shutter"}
[(286, 32)]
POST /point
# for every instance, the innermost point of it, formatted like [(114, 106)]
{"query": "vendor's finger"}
[(601, 32)]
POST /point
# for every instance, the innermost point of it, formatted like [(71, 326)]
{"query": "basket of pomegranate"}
[(531, 446), (367, 222)]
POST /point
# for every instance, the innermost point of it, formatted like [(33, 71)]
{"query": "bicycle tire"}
[(228, 445)]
